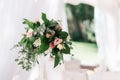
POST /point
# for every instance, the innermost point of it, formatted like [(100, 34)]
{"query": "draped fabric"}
[(107, 30), (107, 17), (108, 38), (12, 13)]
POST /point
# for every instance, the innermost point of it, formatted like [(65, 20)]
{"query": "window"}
[(81, 28)]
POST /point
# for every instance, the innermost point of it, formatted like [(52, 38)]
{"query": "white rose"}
[(60, 46), (37, 42)]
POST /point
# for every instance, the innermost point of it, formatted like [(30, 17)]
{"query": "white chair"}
[(72, 71)]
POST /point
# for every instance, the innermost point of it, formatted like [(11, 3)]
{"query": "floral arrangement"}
[(45, 38)]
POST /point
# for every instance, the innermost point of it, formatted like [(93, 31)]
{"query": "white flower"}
[(60, 46), (29, 33), (37, 42)]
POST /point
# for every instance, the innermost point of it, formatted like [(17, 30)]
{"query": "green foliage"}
[(22, 41), (63, 35), (37, 24), (55, 51), (44, 45), (44, 18), (38, 39), (80, 18), (66, 50), (57, 60), (29, 23), (53, 23), (82, 11)]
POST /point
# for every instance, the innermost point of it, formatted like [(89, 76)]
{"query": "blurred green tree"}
[(76, 15)]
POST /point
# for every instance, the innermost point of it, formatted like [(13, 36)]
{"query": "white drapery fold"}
[(107, 19), (12, 13)]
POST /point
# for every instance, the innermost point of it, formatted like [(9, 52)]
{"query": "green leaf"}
[(29, 23), (57, 60), (22, 41), (21, 62), (60, 56), (66, 50), (25, 44), (63, 35), (43, 48), (33, 57), (44, 45), (55, 51), (51, 38), (44, 18), (37, 62), (53, 24), (37, 24), (32, 39)]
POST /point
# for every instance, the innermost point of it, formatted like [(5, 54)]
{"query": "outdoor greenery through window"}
[(81, 27)]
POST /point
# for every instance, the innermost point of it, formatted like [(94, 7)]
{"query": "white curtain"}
[(107, 23), (107, 17), (12, 13), (108, 38)]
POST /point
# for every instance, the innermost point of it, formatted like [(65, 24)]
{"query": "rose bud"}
[(29, 33), (58, 27), (36, 20), (47, 35)]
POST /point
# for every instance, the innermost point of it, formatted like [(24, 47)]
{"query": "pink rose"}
[(52, 45), (57, 41), (29, 33)]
